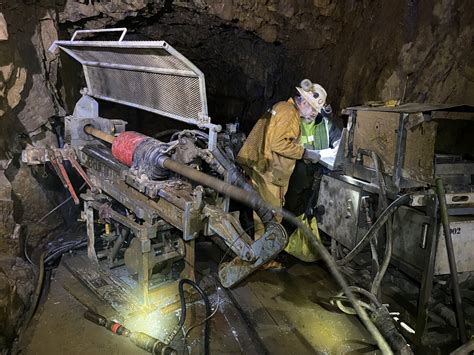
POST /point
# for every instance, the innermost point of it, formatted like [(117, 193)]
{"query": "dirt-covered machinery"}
[(406, 169), (148, 200)]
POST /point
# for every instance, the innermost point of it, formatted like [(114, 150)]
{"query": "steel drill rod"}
[(238, 194), (99, 134), (452, 260), (251, 199)]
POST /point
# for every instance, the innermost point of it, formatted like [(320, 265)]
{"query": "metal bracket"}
[(213, 130)]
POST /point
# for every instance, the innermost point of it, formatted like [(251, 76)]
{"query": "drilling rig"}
[(148, 200)]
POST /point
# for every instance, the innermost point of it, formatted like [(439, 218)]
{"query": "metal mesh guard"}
[(151, 76)]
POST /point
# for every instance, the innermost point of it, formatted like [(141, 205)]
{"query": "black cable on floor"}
[(37, 294), (182, 317), (25, 246)]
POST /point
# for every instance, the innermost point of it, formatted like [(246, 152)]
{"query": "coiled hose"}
[(374, 302)]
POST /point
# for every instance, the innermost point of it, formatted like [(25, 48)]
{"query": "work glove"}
[(311, 155)]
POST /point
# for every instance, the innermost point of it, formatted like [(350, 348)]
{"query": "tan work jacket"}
[(272, 146)]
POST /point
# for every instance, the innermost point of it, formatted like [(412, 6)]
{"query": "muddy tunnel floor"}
[(276, 312)]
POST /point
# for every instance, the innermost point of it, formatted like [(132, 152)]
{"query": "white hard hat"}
[(314, 94)]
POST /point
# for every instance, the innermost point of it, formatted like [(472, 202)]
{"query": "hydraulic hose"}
[(250, 199), (203, 135), (234, 175), (385, 323), (237, 178), (388, 226), (379, 223), (375, 303), (25, 246), (52, 255), (380, 314), (383, 268), (339, 299), (367, 294), (381, 317), (326, 256), (182, 317), (37, 294)]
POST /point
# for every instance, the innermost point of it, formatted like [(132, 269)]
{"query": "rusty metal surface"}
[(168, 253), (131, 199), (127, 196), (183, 208), (37, 156), (407, 153)]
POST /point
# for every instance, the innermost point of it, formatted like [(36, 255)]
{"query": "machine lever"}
[(55, 165), (57, 161), (80, 171)]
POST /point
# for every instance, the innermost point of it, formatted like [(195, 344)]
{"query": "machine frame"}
[(345, 220)]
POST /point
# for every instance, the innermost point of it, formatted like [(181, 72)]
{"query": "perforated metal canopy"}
[(149, 75)]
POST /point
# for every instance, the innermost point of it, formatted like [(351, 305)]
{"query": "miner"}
[(273, 146)]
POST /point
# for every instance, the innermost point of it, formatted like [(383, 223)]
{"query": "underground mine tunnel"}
[(233, 176)]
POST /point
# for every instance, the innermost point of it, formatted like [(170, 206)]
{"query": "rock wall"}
[(28, 100), (367, 50), (16, 287)]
